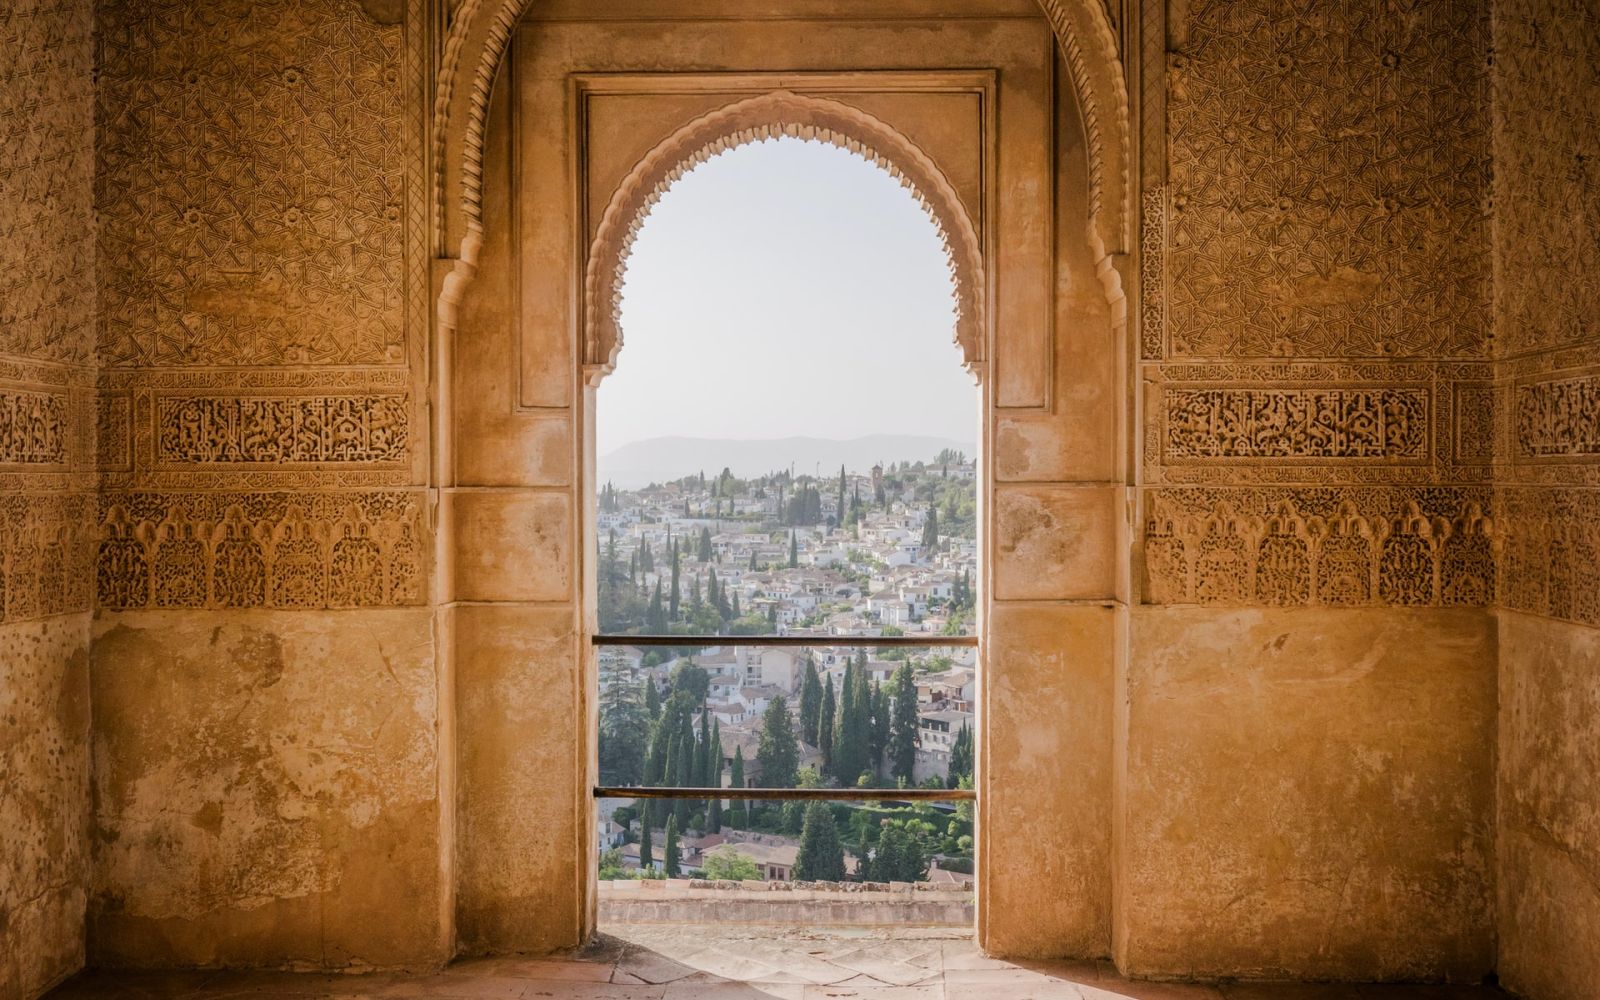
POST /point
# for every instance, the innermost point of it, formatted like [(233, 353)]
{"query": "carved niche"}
[(1319, 546)]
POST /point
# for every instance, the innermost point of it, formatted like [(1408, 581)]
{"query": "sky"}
[(786, 288)]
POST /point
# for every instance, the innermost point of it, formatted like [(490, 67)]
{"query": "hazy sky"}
[(786, 288)]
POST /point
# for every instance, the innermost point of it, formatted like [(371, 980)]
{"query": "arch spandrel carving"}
[(768, 116)]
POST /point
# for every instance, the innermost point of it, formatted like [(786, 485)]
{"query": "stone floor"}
[(748, 963)]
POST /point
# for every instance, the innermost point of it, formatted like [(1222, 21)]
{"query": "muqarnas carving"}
[(46, 545), (1296, 424), (1327, 188), (1550, 563), (282, 429), (1423, 547), (33, 428), (1559, 418), (273, 550)]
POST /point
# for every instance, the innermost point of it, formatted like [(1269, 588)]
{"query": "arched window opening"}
[(786, 536)]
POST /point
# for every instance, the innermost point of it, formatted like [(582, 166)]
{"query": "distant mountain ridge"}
[(658, 460)]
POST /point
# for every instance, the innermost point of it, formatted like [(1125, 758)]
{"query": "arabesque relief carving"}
[(33, 428), (1547, 180), (276, 550), (1558, 418), (258, 250), (1292, 547), (1225, 423), (46, 218), (282, 429), (46, 547), (1287, 239)]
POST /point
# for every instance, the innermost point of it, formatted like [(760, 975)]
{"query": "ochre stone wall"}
[(47, 458), (1311, 670), (1547, 447), (265, 695)]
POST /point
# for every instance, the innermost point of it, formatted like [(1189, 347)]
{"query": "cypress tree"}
[(705, 545), (825, 725), (794, 550), (714, 816), (752, 560), (734, 611), (656, 616), (841, 493), (652, 698), (930, 529), (669, 848), (878, 741), (846, 766), (646, 861), (821, 857), (903, 725), (861, 719), (960, 758), (810, 703), (738, 815), (675, 597)]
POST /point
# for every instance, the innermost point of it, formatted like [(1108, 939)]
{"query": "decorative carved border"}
[(1425, 547), (1449, 444), (35, 427), (281, 431), (273, 550), (1305, 424), (757, 119), (1557, 419), (1153, 274)]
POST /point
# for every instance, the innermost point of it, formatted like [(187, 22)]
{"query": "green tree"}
[(669, 848), (794, 550), (810, 702), (930, 530), (705, 545), (738, 813), (960, 757), (821, 857), (646, 860), (903, 724), (779, 751), (652, 698), (723, 862), (624, 735)]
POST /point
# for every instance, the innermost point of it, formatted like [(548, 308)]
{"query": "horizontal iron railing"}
[(864, 641), (791, 794)]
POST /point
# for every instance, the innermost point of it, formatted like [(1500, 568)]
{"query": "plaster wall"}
[(266, 691), (47, 458), (1309, 698), (1547, 450), (265, 790)]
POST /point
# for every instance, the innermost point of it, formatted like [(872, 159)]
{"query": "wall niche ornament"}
[(1558, 419), (269, 550), (1428, 547)]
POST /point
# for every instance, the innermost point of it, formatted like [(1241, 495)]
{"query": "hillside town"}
[(885, 552)]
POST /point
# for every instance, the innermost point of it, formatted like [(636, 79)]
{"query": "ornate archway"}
[(480, 34), (767, 116)]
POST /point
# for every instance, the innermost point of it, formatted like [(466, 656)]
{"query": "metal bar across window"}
[(791, 794), (834, 641)]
